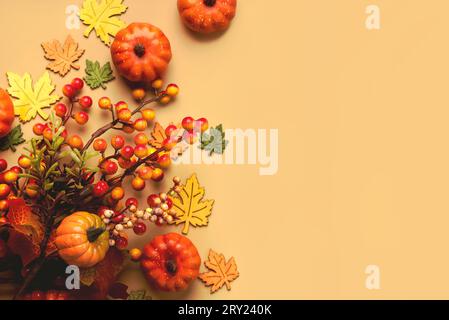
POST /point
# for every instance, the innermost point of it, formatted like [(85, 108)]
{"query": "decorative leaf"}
[(214, 141), (30, 102), (63, 57), (139, 295), (26, 232), (99, 15), (221, 272), (13, 139), (119, 291), (158, 135), (189, 206), (96, 75)]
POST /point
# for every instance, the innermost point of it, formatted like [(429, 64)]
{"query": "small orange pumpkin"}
[(82, 239), (6, 113), (207, 16), (170, 262), (141, 52)]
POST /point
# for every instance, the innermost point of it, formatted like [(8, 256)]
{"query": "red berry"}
[(81, 117), (118, 218), (170, 129), (100, 145), (69, 91), (117, 142), (188, 123), (85, 102), (127, 152), (203, 124), (100, 189), (121, 243), (110, 167), (77, 84), (140, 228), (131, 201), (169, 203), (60, 109), (38, 129), (16, 169), (3, 165), (154, 201)]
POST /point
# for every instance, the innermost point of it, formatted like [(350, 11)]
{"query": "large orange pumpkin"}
[(6, 113), (170, 262), (207, 16), (82, 239), (141, 52)]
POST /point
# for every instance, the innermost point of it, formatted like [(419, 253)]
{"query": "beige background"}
[(362, 117)]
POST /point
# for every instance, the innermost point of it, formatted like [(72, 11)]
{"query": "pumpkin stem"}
[(171, 267), (94, 233), (210, 3), (139, 50)]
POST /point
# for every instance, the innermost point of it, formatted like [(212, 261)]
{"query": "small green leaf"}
[(139, 295), (13, 139), (97, 76), (215, 141)]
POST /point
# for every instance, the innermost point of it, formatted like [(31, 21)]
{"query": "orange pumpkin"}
[(207, 16), (6, 113), (170, 262), (141, 52), (82, 239)]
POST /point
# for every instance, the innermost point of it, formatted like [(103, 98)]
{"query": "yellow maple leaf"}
[(189, 206), (30, 101), (221, 273), (63, 57), (99, 16)]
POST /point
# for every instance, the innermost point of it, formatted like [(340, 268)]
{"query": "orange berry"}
[(128, 129), (165, 99), (38, 129), (81, 117), (138, 94), (75, 142), (121, 105), (164, 161), (24, 162), (138, 184), (158, 175), (48, 134), (117, 142), (172, 90), (10, 176), (105, 103), (140, 124), (141, 151), (124, 115), (145, 172), (100, 145), (3, 205), (157, 84), (117, 193), (32, 190), (169, 143), (135, 254), (141, 138), (148, 114), (5, 190)]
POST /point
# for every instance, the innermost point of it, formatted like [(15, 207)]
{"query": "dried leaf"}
[(99, 15), (139, 295), (221, 272), (30, 101), (63, 57), (189, 206), (13, 139), (26, 232), (96, 75), (158, 135)]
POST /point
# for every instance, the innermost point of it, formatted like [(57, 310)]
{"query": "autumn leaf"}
[(158, 136), (189, 206), (26, 232), (221, 272), (30, 101), (13, 139), (99, 16), (63, 57), (96, 75)]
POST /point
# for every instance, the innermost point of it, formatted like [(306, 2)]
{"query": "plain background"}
[(362, 118)]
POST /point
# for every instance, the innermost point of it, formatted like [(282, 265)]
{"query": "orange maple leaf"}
[(158, 135), (221, 273)]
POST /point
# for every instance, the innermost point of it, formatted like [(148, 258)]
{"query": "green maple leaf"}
[(97, 76), (14, 138), (215, 141)]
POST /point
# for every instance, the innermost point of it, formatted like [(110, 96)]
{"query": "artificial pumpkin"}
[(82, 239), (141, 52), (207, 16), (170, 262), (6, 113)]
